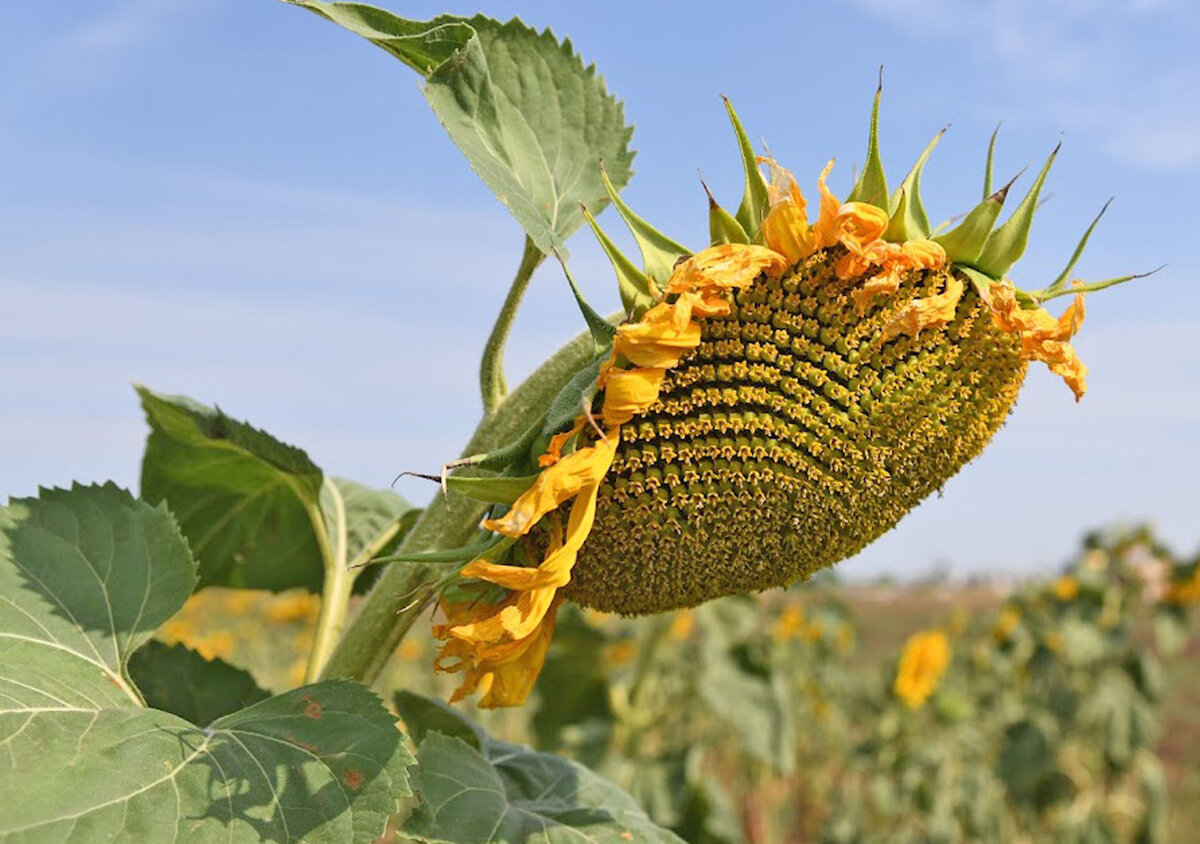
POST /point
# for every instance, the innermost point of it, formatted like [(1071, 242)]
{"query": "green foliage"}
[(257, 512), (180, 681), (474, 788), (88, 576), (532, 119)]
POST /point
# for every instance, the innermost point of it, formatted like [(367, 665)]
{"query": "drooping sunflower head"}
[(772, 404)]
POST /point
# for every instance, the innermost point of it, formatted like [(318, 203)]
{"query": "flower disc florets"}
[(796, 433)]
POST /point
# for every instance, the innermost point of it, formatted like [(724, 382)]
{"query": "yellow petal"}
[(858, 225), (785, 228), (727, 265), (881, 285), (825, 231), (655, 340), (930, 312), (1071, 320), (553, 451), (628, 392), (554, 485), (693, 304), (513, 681), (922, 255)]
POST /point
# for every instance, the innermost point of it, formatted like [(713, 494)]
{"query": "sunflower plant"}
[(768, 401)]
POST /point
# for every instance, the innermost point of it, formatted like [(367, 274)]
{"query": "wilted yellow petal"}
[(1042, 336), (512, 681), (628, 392), (825, 230), (553, 451), (785, 228), (725, 266), (858, 225), (930, 312), (655, 340), (556, 484)]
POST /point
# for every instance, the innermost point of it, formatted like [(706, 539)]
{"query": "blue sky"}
[(236, 200)]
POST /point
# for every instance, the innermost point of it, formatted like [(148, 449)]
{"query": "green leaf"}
[(247, 503), (323, 763), (738, 685), (421, 45), (574, 711), (87, 576), (659, 252), (532, 119), (602, 330), (753, 208), (988, 167), (723, 227), (376, 519), (569, 401), (909, 220), (637, 291), (423, 715), (509, 794), (1006, 245), (493, 490), (180, 681), (1061, 279), (964, 242), (871, 186)]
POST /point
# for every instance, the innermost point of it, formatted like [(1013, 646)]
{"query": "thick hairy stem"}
[(491, 367), (404, 590)]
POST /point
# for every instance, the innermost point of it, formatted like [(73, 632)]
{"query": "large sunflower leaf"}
[(86, 576), (475, 789), (532, 119), (244, 499), (180, 681), (249, 504)]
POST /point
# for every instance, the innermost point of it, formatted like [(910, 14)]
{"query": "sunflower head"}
[(772, 404)]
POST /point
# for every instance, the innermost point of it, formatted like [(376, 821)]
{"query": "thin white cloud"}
[(1076, 65), (95, 51)]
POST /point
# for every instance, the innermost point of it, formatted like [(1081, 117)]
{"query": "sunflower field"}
[(616, 618)]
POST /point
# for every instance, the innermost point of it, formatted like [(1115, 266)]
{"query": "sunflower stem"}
[(492, 385), (404, 591), (338, 583)]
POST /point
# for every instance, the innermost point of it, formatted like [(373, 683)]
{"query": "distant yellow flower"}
[(1186, 591), (297, 671), (1006, 624), (789, 624), (681, 626), (216, 645), (924, 660), (1054, 641), (410, 650), (619, 653), (1066, 588), (297, 605), (239, 601)]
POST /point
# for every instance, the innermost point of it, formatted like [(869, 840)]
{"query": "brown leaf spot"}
[(311, 748), (311, 707), (353, 778)]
